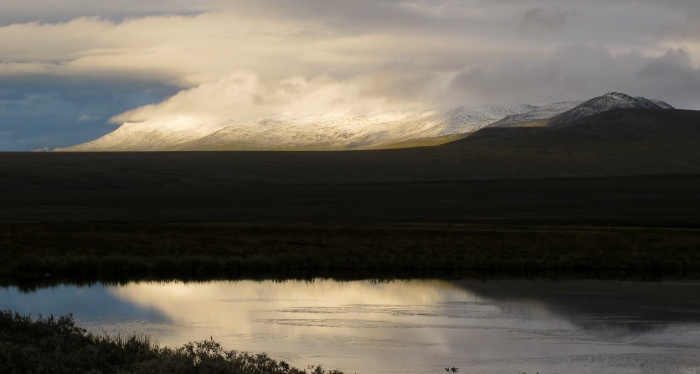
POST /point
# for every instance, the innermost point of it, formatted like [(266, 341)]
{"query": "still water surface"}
[(405, 326)]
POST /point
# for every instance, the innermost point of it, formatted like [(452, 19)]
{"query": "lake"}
[(405, 326)]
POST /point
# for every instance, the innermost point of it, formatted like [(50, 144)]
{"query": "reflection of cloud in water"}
[(310, 319), (328, 292), (414, 326), (399, 317), (239, 305), (405, 326)]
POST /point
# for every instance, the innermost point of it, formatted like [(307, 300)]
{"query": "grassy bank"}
[(57, 345), (104, 251)]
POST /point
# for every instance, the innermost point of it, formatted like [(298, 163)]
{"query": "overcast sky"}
[(68, 67)]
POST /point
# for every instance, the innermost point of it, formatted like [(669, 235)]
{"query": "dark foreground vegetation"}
[(58, 346), (530, 207), (114, 251)]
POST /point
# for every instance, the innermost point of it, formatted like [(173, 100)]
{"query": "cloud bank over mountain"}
[(154, 60)]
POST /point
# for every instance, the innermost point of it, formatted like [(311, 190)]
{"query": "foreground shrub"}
[(57, 346)]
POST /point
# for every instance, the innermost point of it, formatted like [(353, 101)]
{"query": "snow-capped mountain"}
[(148, 136), (347, 130), (329, 131), (610, 101), (536, 115)]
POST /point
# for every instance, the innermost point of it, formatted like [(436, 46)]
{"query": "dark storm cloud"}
[(447, 18), (579, 72), (672, 76), (542, 21), (689, 28)]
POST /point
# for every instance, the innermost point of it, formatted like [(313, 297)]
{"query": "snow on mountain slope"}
[(147, 136), (328, 131), (610, 101), (662, 104), (332, 131), (346, 130), (537, 114), (482, 116), (351, 130)]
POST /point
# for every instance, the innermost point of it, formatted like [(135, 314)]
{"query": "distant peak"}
[(620, 97), (617, 95), (607, 102)]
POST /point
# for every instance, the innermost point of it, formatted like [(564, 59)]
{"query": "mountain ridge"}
[(331, 131), (350, 130), (536, 115), (607, 102)]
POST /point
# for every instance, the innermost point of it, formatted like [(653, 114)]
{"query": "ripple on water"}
[(631, 363)]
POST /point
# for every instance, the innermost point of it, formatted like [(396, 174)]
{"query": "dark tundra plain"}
[(616, 192)]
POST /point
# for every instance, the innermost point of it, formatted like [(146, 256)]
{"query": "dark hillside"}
[(641, 167), (620, 126)]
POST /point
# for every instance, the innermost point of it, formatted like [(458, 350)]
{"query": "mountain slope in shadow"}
[(620, 125), (624, 141)]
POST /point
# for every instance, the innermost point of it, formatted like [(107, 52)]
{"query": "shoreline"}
[(36, 253), (35, 344)]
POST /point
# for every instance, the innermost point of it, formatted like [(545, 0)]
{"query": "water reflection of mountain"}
[(602, 307)]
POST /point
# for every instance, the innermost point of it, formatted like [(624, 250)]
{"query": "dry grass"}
[(115, 251)]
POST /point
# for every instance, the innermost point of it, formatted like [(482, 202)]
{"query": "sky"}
[(73, 70)]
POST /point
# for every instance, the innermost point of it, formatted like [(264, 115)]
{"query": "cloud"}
[(574, 72), (689, 28), (88, 118), (579, 72), (672, 75), (22, 11), (242, 96), (314, 38), (243, 58), (542, 21)]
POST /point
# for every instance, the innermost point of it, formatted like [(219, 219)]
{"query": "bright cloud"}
[(242, 96), (244, 58)]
